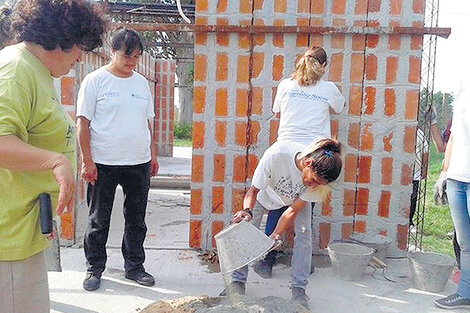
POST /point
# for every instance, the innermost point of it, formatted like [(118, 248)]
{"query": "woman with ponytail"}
[(303, 104)]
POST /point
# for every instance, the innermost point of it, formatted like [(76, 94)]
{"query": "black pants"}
[(135, 182)]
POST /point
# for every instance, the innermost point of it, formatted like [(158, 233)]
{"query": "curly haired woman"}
[(37, 138)]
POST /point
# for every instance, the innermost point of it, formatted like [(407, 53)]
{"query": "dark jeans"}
[(135, 182), (271, 222)]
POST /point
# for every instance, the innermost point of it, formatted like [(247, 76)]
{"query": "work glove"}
[(440, 195)]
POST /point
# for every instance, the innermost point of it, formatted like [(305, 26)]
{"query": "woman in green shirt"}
[(37, 138)]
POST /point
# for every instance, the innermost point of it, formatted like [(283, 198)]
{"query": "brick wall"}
[(161, 77), (235, 82)]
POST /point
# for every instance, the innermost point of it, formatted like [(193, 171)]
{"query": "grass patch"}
[(437, 219), (177, 142)]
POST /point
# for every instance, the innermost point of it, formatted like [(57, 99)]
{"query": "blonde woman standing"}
[(303, 104)]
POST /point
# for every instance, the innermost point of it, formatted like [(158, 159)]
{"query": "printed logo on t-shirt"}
[(303, 95), (286, 188), (112, 94), (138, 97)]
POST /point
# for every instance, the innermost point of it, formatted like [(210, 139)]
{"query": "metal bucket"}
[(378, 242), (240, 244), (430, 271), (349, 260)]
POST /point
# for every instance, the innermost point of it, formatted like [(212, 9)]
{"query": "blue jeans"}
[(458, 194), (302, 252)]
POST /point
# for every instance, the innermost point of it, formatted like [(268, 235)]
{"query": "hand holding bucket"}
[(240, 244)]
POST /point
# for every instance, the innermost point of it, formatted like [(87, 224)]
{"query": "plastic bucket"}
[(240, 244), (378, 242), (430, 271), (349, 260)]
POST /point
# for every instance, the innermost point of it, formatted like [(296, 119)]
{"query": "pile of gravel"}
[(233, 304)]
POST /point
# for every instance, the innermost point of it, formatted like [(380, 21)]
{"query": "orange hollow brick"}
[(240, 133), (197, 168), (222, 39), (384, 204), (221, 6), (406, 174), (360, 7), (273, 127), (219, 168), (237, 199), (243, 69), (362, 201), (198, 134), (258, 64), (360, 226), (411, 108), (245, 6), (221, 71), (353, 135), (325, 231), (349, 202), (217, 226), (350, 168), (418, 6), (358, 42), (409, 139), (220, 133), (346, 230), (316, 40), (303, 6), (394, 42), (395, 7), (334, 128), (200, 67), (241, 109), (252, 163), (372, 41), (390, 102), (280, 6), (414, 70), (374, 5), (367, 138), (221, 99), (336, 66), (278, 67), (195, 233), (244, 41), (402, 236), (337, 41), (202, 5), (416, 42), (196, 201), (199, 99), (357, 67), (364, 167), (392, 69), (258, 4), (371, 67), (387, 142), (254, 132), (218, 200), (387, 171), (239, 169), (355, 100), (339, 7)]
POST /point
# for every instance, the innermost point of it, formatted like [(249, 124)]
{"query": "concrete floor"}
[(180, 271)]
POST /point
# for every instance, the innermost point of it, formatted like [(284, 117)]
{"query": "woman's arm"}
[(288, 217), (18, 155), (445, 163)]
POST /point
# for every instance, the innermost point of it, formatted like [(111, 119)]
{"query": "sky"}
[(452, 72)]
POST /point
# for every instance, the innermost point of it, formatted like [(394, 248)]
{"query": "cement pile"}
[(235, 304)]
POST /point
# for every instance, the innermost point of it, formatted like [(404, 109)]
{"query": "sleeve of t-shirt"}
[(15, 109), (337, 99), (262, 173), (277, 99), (87, 98), (150, 107)]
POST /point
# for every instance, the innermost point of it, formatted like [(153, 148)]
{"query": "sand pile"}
[(235, 304)]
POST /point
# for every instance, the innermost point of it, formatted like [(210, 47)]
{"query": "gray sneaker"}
[(299, 296), (264, 269), (454, 301), (235, 287)]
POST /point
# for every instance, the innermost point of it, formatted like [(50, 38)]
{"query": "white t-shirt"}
[(118, 110), (279, 179), (459, 166), (305, 114)]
